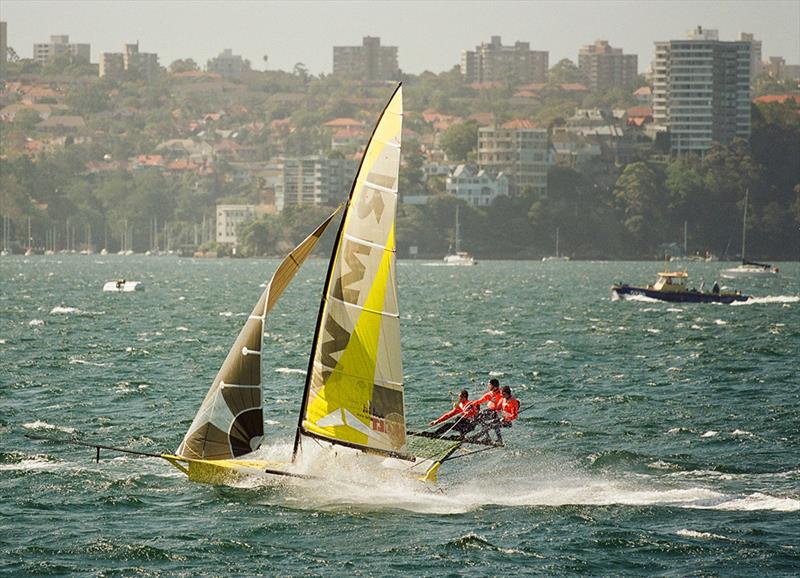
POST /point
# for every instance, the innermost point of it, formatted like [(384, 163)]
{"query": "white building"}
[(519, 150), (59, 44), (475, 186), (701, 90), (229, 217)]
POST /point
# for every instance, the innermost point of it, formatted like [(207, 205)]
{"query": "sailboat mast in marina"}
[(748, 268)]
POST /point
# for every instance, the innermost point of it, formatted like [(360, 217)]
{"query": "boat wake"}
[(768, 299), (357, 481)]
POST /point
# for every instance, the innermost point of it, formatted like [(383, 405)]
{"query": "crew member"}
[(466, 412), (491, 398), (507, 410)]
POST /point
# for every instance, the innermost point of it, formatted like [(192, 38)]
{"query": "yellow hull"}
[(224, 472), (221, 472)]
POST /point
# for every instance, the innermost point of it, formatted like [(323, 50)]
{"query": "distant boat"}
[(123, 286), (459, 258), (707, 257), (558, 256), (672, 286), (748, 268)]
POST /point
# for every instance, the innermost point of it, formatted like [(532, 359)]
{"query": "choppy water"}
[(660, 439)]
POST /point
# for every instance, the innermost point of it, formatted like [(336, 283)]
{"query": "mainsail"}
[(354, 386), (230, 420)]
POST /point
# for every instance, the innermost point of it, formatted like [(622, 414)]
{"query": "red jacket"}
[(495, 399), (465, 408), (509, 409)]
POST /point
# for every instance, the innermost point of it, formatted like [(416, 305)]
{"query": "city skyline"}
[(287, 34)]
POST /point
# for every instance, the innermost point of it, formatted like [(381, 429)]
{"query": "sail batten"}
[(230, 421), (348, 399)]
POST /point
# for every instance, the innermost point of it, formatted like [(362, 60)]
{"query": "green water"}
[(656, 439)]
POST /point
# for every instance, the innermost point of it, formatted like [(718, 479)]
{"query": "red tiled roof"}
[(573, 86), (519, 123), (639, 111), (767, 98), (344, 122)]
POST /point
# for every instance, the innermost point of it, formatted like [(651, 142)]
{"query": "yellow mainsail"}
[(354, 387)]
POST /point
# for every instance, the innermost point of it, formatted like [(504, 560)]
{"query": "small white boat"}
[(748, 268), (558, 256), (123, 286), (459, 258)]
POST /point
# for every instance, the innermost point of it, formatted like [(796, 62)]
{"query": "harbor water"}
[(656, 438)]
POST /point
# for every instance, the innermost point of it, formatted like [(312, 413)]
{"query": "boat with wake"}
[(353, 400), (123, 286), (673, 286)]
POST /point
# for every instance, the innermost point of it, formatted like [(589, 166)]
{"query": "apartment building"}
[(701, 90), (115, 64), (369, 62), (226, 63), (520, 151), (755, 54), (3, 45), (492, 62), (229, 217), (313, 180), (59, 44), (604, 66)]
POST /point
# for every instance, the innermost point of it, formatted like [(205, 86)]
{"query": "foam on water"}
[(347, 475), (700, 535), (61, 310), (769, 299), (44, 425), (290, 370)]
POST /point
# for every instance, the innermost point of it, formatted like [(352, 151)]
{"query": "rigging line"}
[(91, 445), (447, 459)]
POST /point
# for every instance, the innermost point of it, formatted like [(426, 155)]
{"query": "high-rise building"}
[(701, 90), (112, 65), (370, 61), (492, 62), (519, 150), (605, 67), (755, 54), (144, 64), (313, 180), (59, 44), (226, 63), (3, 46)]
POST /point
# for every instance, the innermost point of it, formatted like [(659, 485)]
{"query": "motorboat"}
[(673, 286), (123, 286)]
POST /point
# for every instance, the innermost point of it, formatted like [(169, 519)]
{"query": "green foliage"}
[(459, 140)]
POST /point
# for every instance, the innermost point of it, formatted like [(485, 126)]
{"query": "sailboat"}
[(748, 268), (460, 257), (558, 256), (353, 399)]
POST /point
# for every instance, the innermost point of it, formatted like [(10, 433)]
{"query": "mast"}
[(744, 223), (362, 259), (458, 233), (557, 253), (685, 241)]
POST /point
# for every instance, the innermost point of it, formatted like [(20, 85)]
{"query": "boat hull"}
[(627, 291)]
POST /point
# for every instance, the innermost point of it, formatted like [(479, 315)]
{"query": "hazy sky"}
[(430, 35)]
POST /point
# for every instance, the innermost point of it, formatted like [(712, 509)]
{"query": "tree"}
[(26, 120), (88, 98), (183, 65), (459, 140), (564, 71), (637, 191)]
